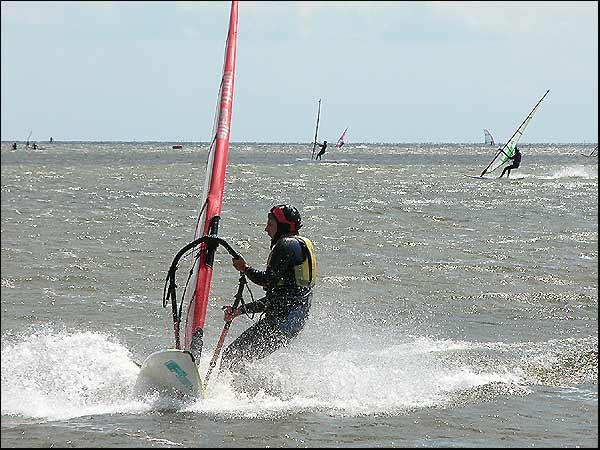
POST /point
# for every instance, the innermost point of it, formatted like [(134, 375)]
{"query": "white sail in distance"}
[(489, 139)]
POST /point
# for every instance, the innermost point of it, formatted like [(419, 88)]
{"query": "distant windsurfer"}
[(516, 162), (322, 151), (14, 146), (592, 153), (288, 280)]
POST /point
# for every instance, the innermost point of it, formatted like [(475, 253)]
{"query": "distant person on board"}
[(34, 146), (51, 139), (516, 158), (14, 146), (288, 281), (322, 151)]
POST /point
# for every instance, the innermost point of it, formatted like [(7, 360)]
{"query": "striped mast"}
[(208, 220)]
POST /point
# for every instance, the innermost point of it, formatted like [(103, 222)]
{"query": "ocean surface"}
[(449, 311)]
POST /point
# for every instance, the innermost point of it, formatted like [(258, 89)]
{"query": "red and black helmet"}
[(288, 215)]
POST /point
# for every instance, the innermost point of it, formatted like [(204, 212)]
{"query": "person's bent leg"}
[(258, 341)]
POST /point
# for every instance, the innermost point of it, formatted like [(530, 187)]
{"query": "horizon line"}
[(279, 142)]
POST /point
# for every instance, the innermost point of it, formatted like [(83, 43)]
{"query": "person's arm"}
[(274, 272), (250, 308), (280, 259), (256, 276)]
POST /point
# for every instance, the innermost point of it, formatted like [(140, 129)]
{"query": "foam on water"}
[(56, 375)]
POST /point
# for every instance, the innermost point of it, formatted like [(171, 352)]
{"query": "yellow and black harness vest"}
[(306, 273)]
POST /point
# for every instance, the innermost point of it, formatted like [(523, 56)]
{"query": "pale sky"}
[(391, 71)]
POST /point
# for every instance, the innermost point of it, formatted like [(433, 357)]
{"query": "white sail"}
[(489, 139), (316, 131)]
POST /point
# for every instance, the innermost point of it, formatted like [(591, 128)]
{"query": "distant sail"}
[(505, 153), (316, 131), (341, 141), (489, 139)]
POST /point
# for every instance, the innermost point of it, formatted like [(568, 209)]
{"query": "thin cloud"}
[(511, 18)]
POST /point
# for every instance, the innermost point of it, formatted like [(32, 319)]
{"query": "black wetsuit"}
[(285, 306), (515, 164), (322, 151)]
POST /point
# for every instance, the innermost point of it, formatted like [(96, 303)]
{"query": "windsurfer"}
[(515, 164), (322, 151), (288, 280)]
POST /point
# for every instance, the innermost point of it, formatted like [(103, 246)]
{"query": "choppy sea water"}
[(449, 311)]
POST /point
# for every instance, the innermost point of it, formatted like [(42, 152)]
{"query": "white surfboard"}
[(170, 373)]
